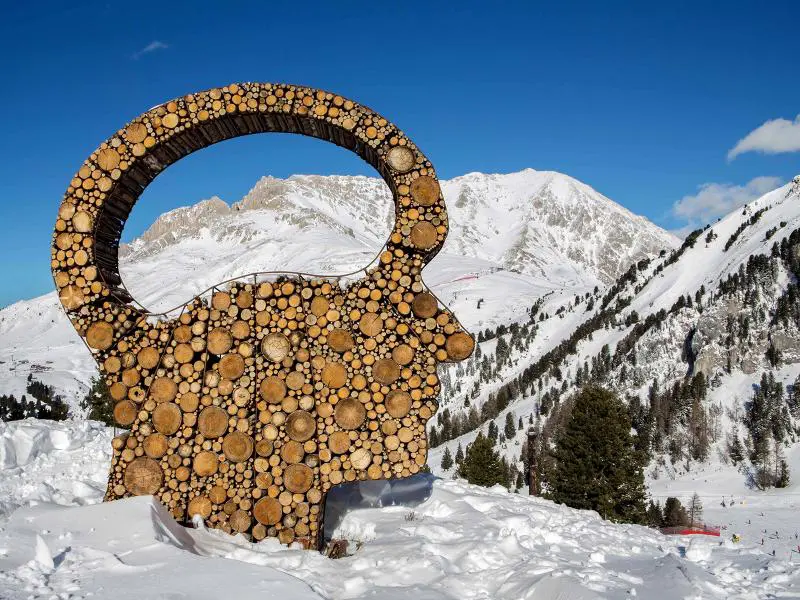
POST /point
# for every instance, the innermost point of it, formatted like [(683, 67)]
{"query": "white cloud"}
[(773, 137), (151, 47), (717, 199)]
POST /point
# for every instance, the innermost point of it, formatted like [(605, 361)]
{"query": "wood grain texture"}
[(265, 392)]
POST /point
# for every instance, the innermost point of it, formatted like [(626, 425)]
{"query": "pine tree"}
[(698, 431), (769, 422), (735, 449), (48, 404), (654, 515), (447, 460), (459, 454), (99, 403), (482, 464), (493, 431), (510, 429), (12, 409), (596, 464), (433, 437), (695, 511), (783, 475), (674, 513)]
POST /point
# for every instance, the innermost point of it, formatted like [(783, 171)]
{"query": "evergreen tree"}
[(12, 409), (596, 464), (447, 460), (99, 403), (654, 515), (510, 429), (459, 454), (768, 421), (482, 464), (493, 431), (695, 511), (674, 513), (433, 437), (698, 431), (783, 475), (735, 448), (44, 404), (48, 404), (523, 455), (501, 351)]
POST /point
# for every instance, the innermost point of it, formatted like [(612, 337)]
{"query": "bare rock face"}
[(549, 224), (795, 189), (173, 226), (749, 365), (787, 343)]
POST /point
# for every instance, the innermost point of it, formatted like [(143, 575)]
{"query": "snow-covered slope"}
[(463, 542), (699, 337), (709, 307), (547, 224), (514, 239)]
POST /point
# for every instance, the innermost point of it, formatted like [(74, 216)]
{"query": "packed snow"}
[(464, 542)]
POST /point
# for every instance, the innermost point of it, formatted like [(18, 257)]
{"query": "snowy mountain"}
[(686, 335), (514, 239), (544, 225), (463, 541)]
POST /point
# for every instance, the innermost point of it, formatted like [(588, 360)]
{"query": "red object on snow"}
[(704, 530)]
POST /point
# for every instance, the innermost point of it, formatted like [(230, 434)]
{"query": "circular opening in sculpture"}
[(225, 212)]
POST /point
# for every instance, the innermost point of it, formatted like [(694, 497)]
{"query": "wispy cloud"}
[(151, 47), (773, 137), (714, 200)]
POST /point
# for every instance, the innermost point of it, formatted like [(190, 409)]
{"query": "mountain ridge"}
[(543, 208), (723, 306), (337, 224)]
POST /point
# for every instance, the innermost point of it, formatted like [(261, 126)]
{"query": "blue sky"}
[(645, 104)]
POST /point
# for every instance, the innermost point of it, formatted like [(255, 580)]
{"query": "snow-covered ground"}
[(56, 541)]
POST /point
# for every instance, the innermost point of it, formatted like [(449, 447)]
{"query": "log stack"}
[(259, 396)]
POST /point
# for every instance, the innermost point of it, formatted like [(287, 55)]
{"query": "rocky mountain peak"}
[(794, 190), (540, 223)]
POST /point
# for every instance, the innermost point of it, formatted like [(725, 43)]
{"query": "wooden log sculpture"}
[(262, 394)]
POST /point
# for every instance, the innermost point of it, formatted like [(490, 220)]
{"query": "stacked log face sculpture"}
[(246, 405)]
